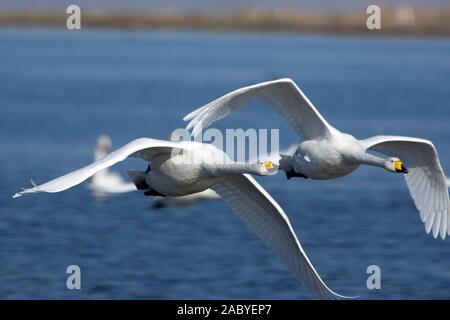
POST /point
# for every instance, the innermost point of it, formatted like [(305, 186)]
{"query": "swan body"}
[(327, 158), (185, 168), (326, 153), (197, 173)]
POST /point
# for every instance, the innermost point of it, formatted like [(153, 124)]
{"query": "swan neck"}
[(236, 168), (372, 160), (99, 153)]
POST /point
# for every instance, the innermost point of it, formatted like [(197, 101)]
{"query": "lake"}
[(60, 89)]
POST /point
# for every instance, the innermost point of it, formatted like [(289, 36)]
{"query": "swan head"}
[(395, 165), (267, 168), (104, 143)]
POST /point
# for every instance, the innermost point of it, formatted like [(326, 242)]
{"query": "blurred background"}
[(137, 67)]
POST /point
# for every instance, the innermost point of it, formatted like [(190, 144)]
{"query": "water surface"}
[(59, 90)]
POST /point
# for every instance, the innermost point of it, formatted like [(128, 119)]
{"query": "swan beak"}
[(270, 167), (399, 167)]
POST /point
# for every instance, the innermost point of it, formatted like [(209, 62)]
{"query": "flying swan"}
[(183, 168), (326, 153)]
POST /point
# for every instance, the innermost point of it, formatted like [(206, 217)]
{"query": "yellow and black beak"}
[(268, 164), (399, 167), (271, 168)]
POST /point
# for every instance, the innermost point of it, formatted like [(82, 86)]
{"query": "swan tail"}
[(138, 178)]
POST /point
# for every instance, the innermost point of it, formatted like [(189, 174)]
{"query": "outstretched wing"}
[(426, 181), (264, 216), (144, 148), (283, 95)]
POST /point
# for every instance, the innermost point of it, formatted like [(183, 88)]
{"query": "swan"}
[(105, 182), (184, 201), (186, 167), (324, 152)]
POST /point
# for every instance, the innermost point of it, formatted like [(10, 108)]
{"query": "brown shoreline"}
[(427, 22)]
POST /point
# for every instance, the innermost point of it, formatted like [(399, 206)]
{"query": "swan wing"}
[(266, 218), (283, 95), (144, 148), (426, 180)]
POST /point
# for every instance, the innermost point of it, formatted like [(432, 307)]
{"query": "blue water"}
[(59, 90)]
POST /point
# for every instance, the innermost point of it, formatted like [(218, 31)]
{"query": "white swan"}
[(184, 201), (105, 182), (326, 153), (182, 168)]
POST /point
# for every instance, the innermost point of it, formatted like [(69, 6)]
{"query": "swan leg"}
[(292, 174), (140, 183), (138, 178)]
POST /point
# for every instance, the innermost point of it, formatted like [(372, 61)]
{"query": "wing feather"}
[(144, 148), (283, 95), (266, 218)]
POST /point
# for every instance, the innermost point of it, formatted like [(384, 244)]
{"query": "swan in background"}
[(324, 152), (104, 181), (184, 168), (185, 201)]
